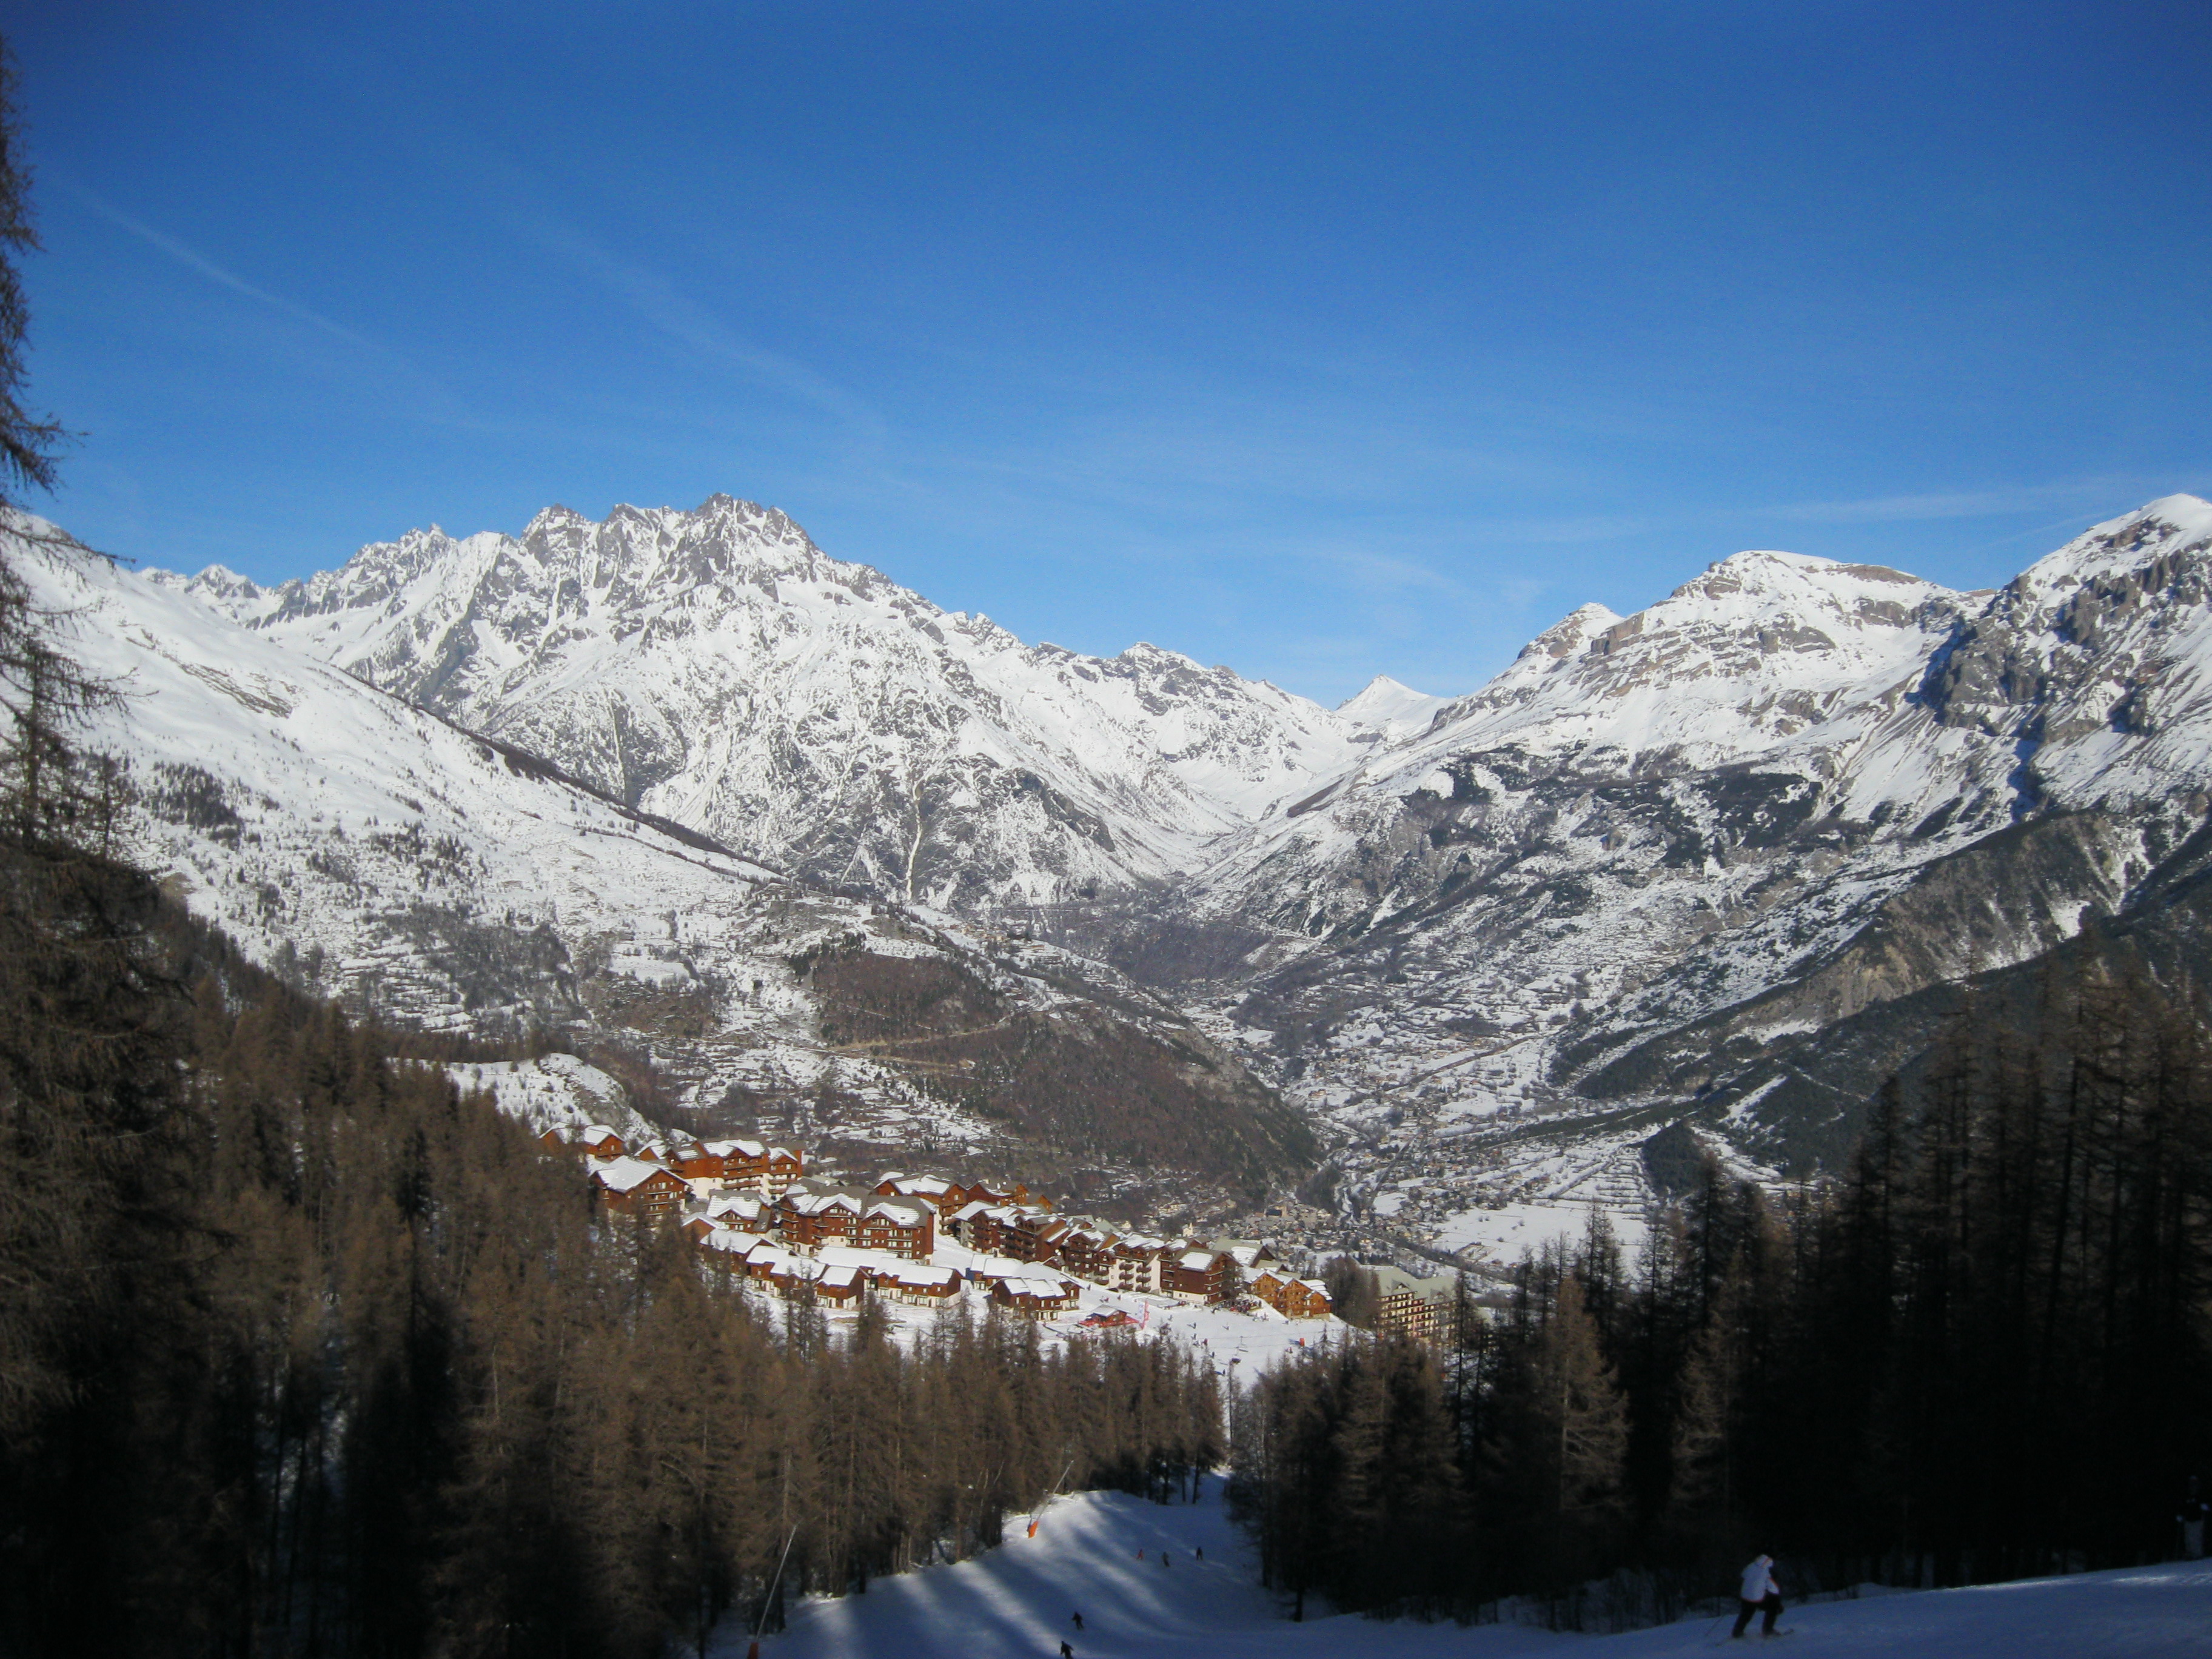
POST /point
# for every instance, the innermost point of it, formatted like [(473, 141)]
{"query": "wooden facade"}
[(632, 1185)]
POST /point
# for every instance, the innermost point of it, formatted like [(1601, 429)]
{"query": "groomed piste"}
[(1018, 1601)]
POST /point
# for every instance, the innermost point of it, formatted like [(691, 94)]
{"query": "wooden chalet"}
[(631, 1185), (981, 1225), (1032, 1235), (1195, 1276), (746, 1210), (738, 1163), (1084, 1250), (596, 1140), (1294, 1299), (813, 1213), (918, 1285), (1034, 1297), (905, 1227)]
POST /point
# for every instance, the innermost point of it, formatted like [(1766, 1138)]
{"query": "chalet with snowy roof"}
[(895, 1279), (983, 1191), (1034, 1295), (943, 1196), (1196, 1275), (597, 1140), (737, 1163), (918, 1285), (1135, 1262), (813, 1213), (747, 1210), (840, 1287), (1251, 1255), (981, 1225), (1084, 1249), (702, 1160), (631, 1185), (904, 1227), (1294, 1299), (732, 1241), (1031, 1235), (775, 1169)]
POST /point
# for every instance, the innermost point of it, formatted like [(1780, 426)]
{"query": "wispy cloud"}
[(193, 260), (1954, 504), (694, 326)]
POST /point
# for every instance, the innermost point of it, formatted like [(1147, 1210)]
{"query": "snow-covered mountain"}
[(715, 667), (1640, 872), (372, 851), (1510, 948)]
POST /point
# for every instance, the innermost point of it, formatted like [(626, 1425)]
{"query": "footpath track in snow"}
[(1015, 1602)]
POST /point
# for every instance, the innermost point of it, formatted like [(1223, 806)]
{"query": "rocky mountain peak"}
[(715, 666)]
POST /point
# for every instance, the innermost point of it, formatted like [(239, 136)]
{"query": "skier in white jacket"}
[(1759, 1594)]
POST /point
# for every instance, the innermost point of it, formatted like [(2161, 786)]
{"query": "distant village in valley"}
[(928, 1240)]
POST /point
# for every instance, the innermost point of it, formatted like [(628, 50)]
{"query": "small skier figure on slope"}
[(1758, 1593), (2193, 1512), (1079, 1624), (1065, 1652)]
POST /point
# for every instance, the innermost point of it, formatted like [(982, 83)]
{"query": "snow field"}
[(1015, 1601)]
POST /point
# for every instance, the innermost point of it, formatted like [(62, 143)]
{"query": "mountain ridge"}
[(1629, 879)]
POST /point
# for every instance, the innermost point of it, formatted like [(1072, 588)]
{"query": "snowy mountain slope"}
[(556, 1091), (1396, 711), (373, 852), (717, 668), (1016, 1599), (1630, 877), (1496, 942)]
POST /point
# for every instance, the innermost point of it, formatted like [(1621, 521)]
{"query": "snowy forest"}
[(305, 1353), (1978, 1353)]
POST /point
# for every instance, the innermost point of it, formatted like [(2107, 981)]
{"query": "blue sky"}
[(1322, 341)]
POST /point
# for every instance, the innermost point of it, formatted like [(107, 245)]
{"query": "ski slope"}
[(1015, 1602)]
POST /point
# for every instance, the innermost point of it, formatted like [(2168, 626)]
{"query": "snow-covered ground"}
[(556, 1091), (1237, 1344), (1017, 1602)]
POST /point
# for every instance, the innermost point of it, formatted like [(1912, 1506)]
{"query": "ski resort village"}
[(929, 1241)]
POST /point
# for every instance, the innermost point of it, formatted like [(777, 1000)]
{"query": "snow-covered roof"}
[(907, 1212), (624, 1174)]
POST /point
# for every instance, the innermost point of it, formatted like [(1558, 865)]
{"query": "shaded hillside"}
[(1078, 1077), (1806, 1090)]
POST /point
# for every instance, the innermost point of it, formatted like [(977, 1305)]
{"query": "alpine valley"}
[(781, 845)]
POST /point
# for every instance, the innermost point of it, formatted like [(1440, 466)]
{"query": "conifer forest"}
[(1980, 1352)]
